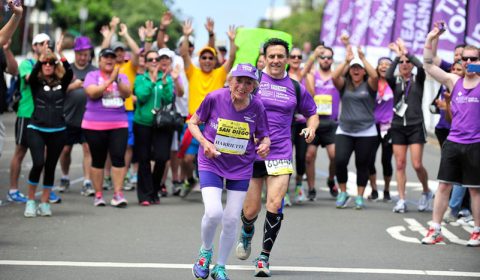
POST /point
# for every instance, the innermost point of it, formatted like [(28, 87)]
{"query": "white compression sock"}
[(212, 201)]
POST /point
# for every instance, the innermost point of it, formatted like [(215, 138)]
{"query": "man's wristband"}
[(211, 34), (148, 39)]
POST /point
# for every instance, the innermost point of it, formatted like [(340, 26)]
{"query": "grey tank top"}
[(357, 108)]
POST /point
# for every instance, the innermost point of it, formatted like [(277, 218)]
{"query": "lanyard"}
[(408, 87)]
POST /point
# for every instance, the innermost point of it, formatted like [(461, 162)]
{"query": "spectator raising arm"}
[(232, 33)]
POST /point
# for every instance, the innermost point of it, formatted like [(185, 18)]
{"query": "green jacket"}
[(151, 95)]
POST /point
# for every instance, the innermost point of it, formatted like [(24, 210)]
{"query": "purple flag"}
[(359, 26), (453, 13), (473, 24), (343, 26), (380, 26), (331, 13), (413, 23)]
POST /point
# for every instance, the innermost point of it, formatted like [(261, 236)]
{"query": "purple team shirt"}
[(280, 101), (384, 107), (218, 104), (95, 111), (328, 88), (465, 106)]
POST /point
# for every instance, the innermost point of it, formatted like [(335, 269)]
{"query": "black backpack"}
[(14, 91)]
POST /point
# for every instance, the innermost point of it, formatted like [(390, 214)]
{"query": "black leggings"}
[(103, 142), (45, 149), (442, 134), (344, 147), (387, 153), (300, 147), (151, 144)]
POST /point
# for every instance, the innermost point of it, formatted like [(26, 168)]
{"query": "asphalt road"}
[(317, 241)]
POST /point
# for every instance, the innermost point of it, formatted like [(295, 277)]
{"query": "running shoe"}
[(474, 239), (30, 209), (107, 183), (176, 188), (262, 267), (219, 273), (163, 191), (466, 221), (286, 200), (312, 194), (186, 188), (448, 217), (54, 198), (299, 194), (134, 179), (373, 196), (44, 209), (64, 185), (433, 237), (359, 204), (118, 200), (145, 203), (342, 200), (17, 196), (201, 267), (99, 201), (464, 213), (425, 201), (244, 245), (386, 196), (333, 188), (87, 189), (130, 183), (400, 207)]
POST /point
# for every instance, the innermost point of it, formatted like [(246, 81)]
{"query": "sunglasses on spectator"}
[(207, 57), (325, 57), (49, 62), (472, 58), (157, 59), (296, 56), (404, 61)]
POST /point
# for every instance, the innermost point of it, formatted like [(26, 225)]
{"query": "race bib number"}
[(232, 137), (324, 104), (279, 167), (112, 101)]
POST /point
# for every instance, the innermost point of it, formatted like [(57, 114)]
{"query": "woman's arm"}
[(371, 72), (143, 89), (209, 149)]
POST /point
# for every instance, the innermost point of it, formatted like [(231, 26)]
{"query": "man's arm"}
[(108, 31), (130, 42), (8, 29), (232, 33), (209, 25), (167, 18), (187, 31)]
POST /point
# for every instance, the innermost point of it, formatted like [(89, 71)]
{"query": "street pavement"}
[(317, 241)]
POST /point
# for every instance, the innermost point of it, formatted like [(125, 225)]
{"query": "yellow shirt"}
[(201, 83), (130, 71)]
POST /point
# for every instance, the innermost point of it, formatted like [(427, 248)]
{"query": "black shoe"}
[(312, 194), (386, 196), (373, 195), (333, 188)]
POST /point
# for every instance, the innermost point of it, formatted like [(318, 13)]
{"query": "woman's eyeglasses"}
[(157, 59), (49, 62), (296, 56), (472, 58)]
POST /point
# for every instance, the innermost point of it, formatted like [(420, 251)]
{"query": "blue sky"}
[(244, 13)]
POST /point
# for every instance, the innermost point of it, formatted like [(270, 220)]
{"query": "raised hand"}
[(232, 32), (123, 30), (209, 25), (150, 29), (394, 47), (141, 33), (167, 19), (345, 39), (16, 9), (59, 45), (175, 72), (349, 55), (114, 22), (361, 54), (187, 27), (105, 30), (401, 46)]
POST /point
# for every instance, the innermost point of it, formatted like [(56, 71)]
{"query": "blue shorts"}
[(210, 179), (194, 144), (130, 115)]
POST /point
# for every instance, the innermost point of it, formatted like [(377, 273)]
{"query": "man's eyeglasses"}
[(157, 59), (404, 61), (296, 56), (325, 57), (206, 57), (472, 58), (49, 62)]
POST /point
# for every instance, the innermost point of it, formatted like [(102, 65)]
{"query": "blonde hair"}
[(58, 73)]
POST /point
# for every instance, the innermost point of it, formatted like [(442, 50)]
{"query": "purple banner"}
[(361, 15), (473, 24), (343, 26), (413, 23), (453, 12), (380, 26), (331, 13)]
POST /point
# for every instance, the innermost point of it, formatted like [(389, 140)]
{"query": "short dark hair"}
[(463, 45), (149, 52), (275, 42), (330, 49)]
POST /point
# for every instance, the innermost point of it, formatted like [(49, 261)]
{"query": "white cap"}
[(358, 61), (167, 52), (191, 39), (40, 38)]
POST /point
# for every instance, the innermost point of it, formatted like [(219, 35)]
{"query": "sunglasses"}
[(296, 56), (157, 59), (472, 58), (404, 61), (325, 57), (49, 62), (207, 57)]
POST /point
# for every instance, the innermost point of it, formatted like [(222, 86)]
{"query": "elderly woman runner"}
[(233, 118)]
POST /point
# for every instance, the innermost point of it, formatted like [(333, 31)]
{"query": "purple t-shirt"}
[(465, 106), (231, 132), (280, 101), (384, 106), (442, 122), (327, 98), (106, 112)]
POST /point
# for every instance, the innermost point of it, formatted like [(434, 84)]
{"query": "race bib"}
[(279, 167), (324, 104), (232, 137), (112, 102)]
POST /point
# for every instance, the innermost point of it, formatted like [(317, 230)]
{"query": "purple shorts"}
[(210, 179)]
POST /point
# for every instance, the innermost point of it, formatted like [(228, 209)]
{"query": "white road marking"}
[(396, 232), (244, 267)]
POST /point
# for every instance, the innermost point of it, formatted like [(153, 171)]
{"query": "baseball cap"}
[(191, 40), (357, 61), (82, 43), (165, 52), (116, 45), (207, 49), (244, 70), (107, 52), (40, 38)]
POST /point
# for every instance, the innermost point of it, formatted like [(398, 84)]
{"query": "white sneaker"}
[(300, 194), (448, 217), (400, 207), (466, 221), (425, 201)]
